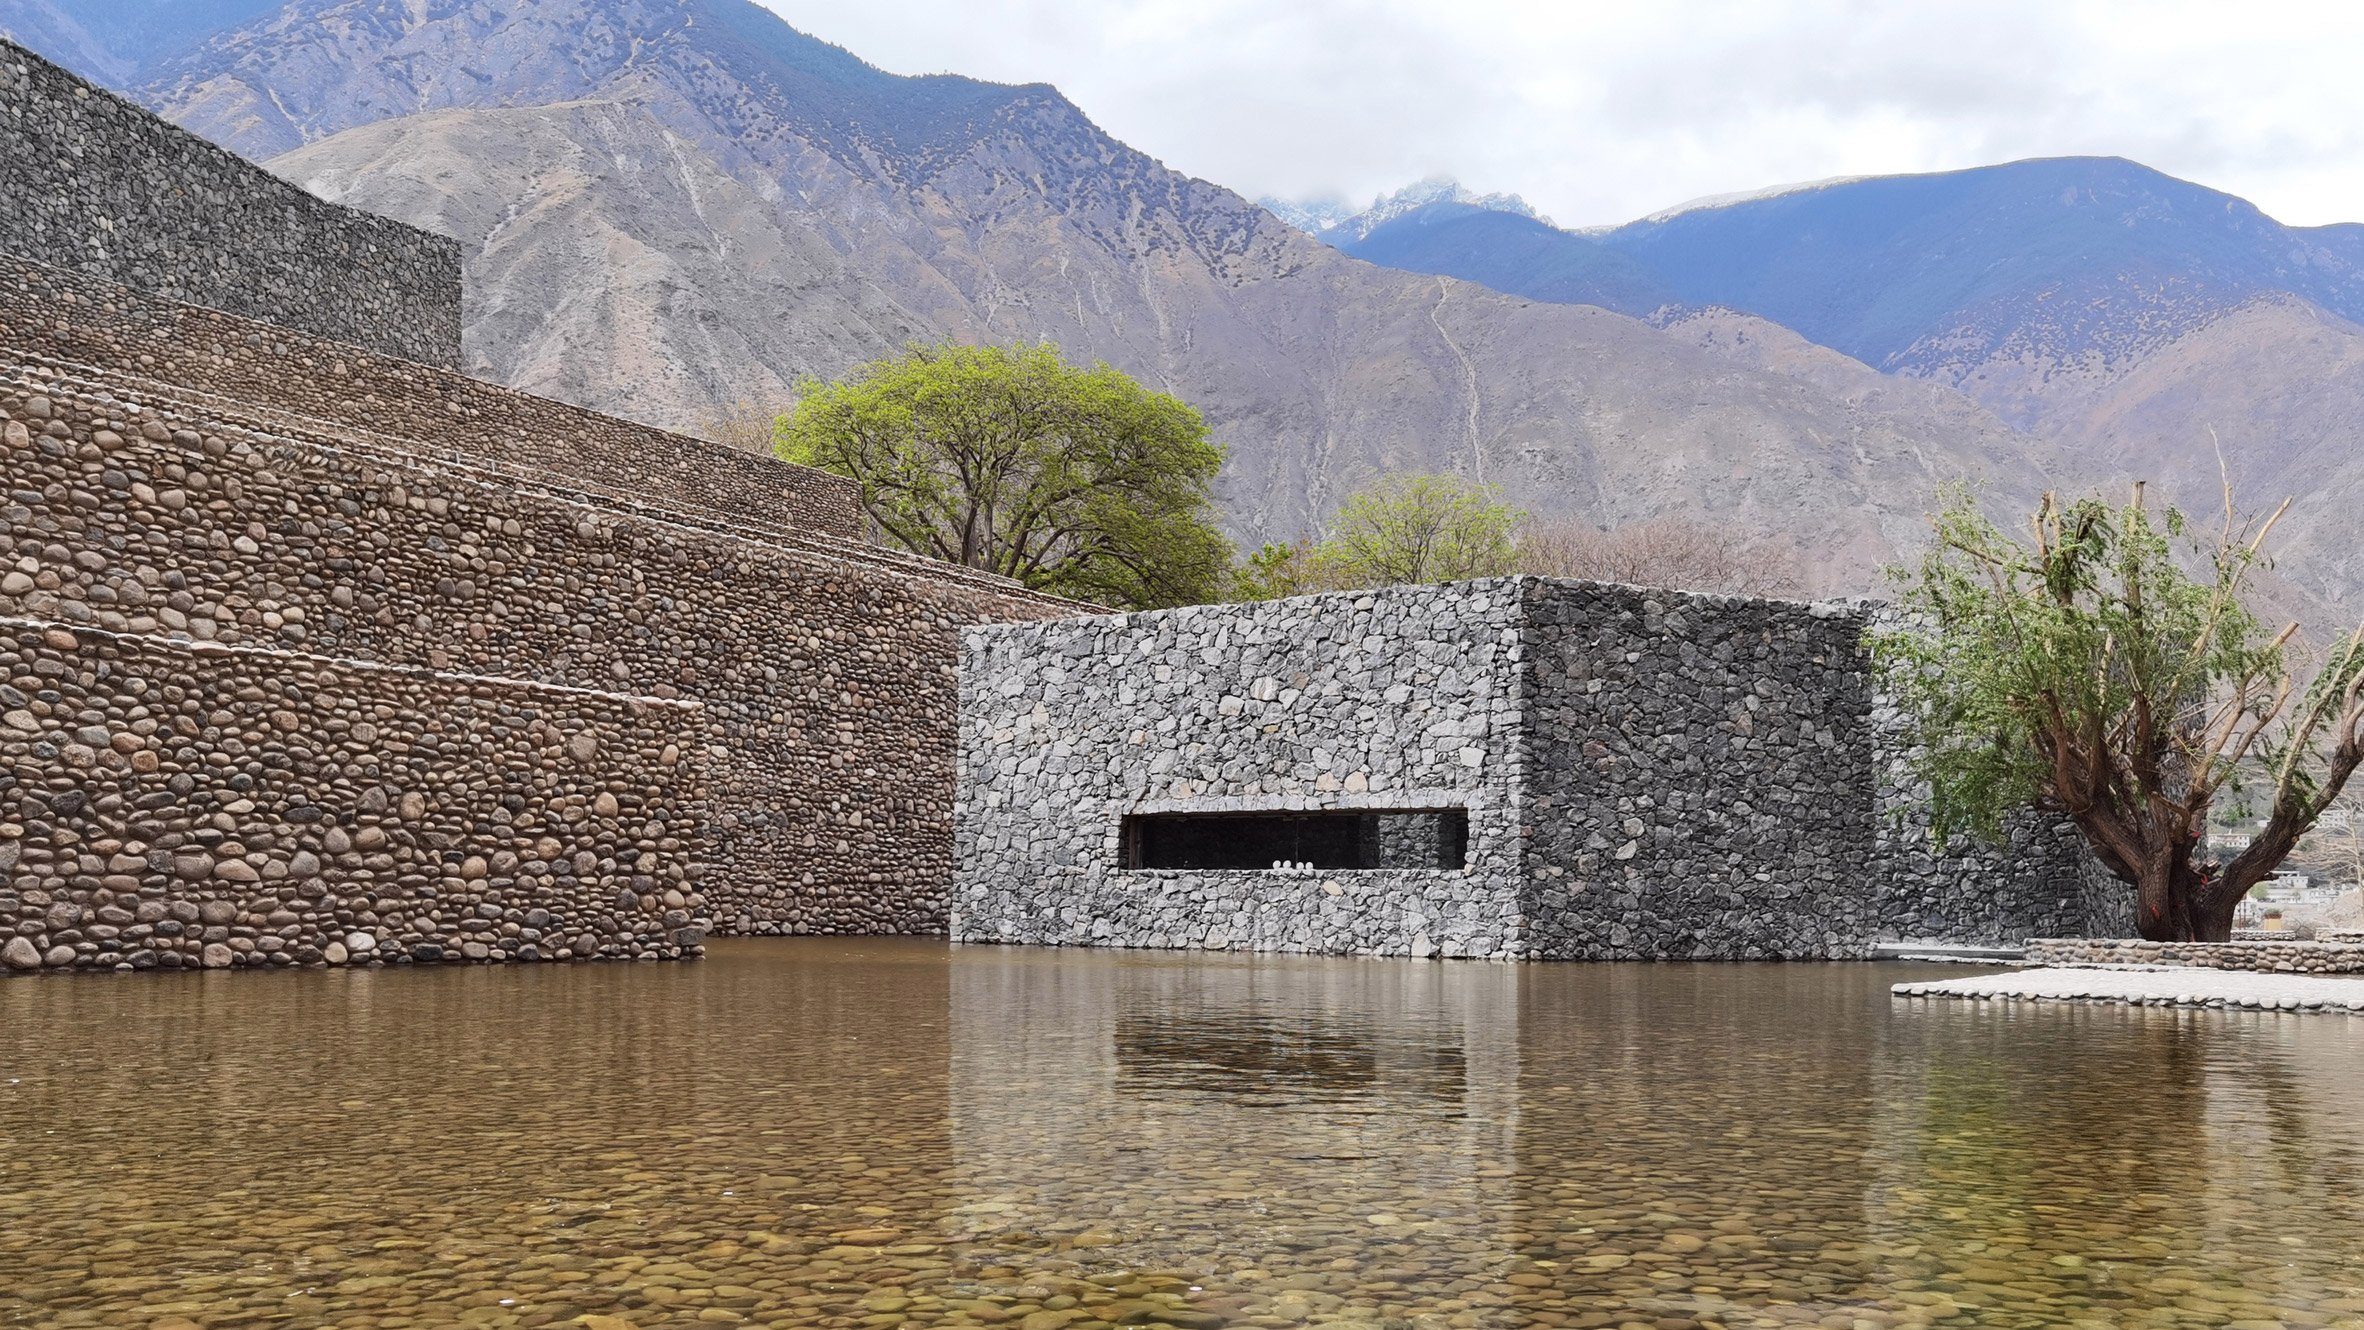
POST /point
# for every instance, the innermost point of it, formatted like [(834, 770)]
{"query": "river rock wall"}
[(172, 806), (283, 378), (2285, 955), (93, 183), (1647, 774), (828, 678)]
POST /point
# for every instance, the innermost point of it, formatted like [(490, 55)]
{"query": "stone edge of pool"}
[(2159, 986)]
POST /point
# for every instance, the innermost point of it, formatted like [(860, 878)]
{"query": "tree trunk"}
[(2176, 902)]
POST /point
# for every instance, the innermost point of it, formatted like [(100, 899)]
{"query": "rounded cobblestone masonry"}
[(829, 684), (85, 321), (2287, 956), (98, 185), (168, 806), (1649, 775)]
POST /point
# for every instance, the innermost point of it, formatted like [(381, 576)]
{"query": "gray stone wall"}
[(1701, 781), (828, 681), (1404, 698), (281, 379), (174, 806), (2041, 883), (1648, 775), (95, 184)]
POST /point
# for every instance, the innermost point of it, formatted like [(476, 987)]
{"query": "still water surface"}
[(884, 1133)]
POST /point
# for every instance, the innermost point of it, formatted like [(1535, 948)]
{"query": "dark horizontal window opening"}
[(1345, 839)]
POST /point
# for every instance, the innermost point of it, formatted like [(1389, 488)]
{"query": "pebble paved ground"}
[(2160, 987)]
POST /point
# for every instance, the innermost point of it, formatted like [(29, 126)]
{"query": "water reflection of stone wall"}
[(1219, 1117)]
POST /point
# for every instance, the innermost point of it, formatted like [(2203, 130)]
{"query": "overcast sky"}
[(1602, 112)]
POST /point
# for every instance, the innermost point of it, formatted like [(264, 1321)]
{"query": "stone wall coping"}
[(1420, 800), (1843, 608), (188, 646)]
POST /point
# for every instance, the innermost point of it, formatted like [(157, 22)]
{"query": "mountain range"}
[(2139, 325), (673, 205)]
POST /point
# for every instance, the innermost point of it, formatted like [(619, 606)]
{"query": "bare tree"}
[(1672, 552), (744, 426)]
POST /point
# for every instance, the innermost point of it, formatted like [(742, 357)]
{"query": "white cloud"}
[(1603, 110)]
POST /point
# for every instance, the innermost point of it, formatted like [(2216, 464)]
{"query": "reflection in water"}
[(1273, 1059), (901, 1133)]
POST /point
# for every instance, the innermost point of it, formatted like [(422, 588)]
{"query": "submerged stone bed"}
[(2167, 986)]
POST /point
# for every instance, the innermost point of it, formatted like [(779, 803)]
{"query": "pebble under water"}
[(890, 1133)]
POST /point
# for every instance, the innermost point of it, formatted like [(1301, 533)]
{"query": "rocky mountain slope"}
[(1523, 256), (1342, 224), (116, 41), (674, 204), (2146, 326)]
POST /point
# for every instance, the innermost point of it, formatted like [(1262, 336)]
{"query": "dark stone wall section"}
[(91, 182), (174, 806), (1401, 699), (1701, 782)]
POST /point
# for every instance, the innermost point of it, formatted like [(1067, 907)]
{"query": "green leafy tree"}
[(1416, 528), (1072, 480), (1276, 570), (2087, 673)]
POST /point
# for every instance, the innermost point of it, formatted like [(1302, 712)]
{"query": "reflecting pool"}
[(881, 1133)]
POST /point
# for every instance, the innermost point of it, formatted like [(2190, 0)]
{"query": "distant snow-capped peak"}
[(1334, 219)]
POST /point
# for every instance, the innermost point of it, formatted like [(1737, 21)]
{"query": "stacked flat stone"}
[(1398, 699), (1646, 775), (2040, 882), (168, 805), (100, 186)]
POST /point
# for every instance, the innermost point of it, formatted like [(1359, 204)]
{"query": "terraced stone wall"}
[(1649, 775), (91, 182), (280, 372), (170, 805), (829, 684)]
